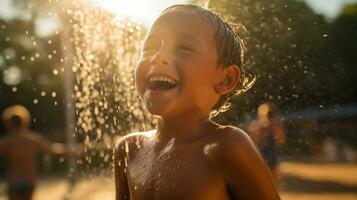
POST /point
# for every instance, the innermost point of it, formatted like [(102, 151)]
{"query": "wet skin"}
[(21, 151), (179, 45), (188, 156), (220, 164)]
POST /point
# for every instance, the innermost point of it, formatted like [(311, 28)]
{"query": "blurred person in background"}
[(268, 134), (20, 149)]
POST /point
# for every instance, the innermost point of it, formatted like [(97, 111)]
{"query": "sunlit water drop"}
[(106, 103)]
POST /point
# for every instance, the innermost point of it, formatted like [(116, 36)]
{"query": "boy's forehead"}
[(180, 19)]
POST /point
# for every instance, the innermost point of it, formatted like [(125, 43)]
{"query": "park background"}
[(71, 63)]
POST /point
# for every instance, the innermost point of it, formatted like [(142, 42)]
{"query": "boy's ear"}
[(230, 78)]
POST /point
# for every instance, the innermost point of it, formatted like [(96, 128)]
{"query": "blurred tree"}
[(300, 61), (289, 50), (344, 40), (30, 63)]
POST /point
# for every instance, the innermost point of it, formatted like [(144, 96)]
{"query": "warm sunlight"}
[(116, 99), (144, 11)]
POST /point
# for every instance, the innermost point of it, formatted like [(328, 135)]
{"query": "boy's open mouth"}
[(161, 83)]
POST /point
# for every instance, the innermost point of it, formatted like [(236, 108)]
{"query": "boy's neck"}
[(182, 128)]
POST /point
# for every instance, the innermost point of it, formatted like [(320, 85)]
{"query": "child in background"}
[(190, 65), (20, 149), (268, 134)]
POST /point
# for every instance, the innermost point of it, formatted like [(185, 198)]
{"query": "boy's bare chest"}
[(173, 174)]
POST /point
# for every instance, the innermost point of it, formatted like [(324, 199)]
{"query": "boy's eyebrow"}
[(181, 35)]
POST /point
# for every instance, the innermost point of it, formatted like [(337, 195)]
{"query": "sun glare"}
[(144, 11)]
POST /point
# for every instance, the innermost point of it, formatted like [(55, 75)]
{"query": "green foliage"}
[(344, 41), (37, 58), (290, 50), (301, 62)]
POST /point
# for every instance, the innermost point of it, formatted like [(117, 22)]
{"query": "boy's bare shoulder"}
[(229, 143), (230, 136), (134, 137), (132, 141), (236, 159), (34, 137)]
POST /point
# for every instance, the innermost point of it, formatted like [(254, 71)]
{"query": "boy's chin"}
[(159, 111)]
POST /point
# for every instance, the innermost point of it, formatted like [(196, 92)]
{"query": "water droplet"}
[(126, 147)]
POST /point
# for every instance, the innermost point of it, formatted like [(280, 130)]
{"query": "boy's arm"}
[(120, 167), (245, 173), (280, 134), (48, 147)]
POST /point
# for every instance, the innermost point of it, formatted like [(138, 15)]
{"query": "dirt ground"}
[(324, 181), (300, 181)]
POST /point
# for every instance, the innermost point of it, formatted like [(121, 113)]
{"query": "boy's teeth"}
[(162, 78)]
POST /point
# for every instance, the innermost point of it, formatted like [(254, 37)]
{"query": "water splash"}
[(106, 50)]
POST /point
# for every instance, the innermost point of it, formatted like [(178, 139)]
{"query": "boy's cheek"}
[(141, 56), (139, 85), (140, 74)]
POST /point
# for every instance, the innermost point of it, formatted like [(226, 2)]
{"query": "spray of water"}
[(106, 103)]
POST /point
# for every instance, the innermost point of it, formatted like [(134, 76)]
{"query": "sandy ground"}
[(300, 181), (308, 181)]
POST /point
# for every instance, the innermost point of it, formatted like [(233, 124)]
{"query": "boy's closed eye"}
[(180, 48), (185, 47)]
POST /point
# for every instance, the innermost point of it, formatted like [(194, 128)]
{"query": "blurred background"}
[(70, 63)]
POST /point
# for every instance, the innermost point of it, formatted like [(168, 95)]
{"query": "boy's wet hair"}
[(230, 49), (16, 117)]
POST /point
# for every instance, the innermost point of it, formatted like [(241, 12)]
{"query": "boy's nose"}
[(161, 57)]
